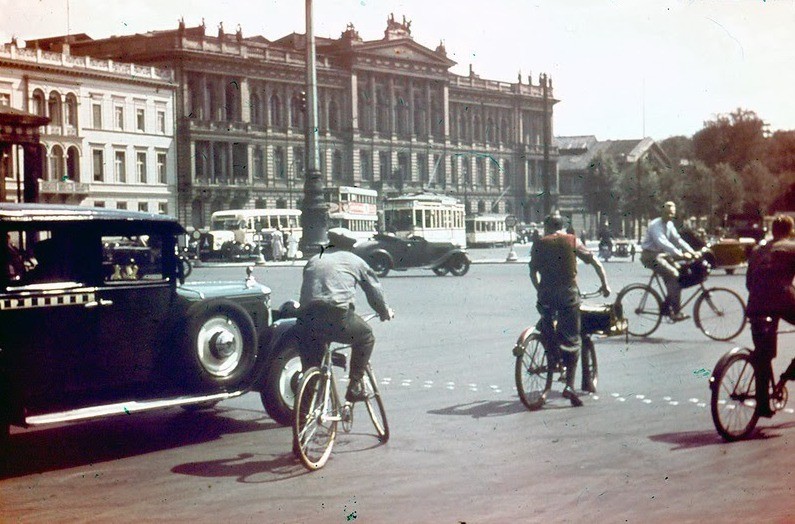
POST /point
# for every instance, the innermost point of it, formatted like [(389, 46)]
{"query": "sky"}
[(620, 69)]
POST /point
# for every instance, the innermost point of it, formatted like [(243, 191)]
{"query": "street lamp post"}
[(314, 210)]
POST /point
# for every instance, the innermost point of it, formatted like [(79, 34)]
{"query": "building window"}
[(480, 166), (119, 117), (336, 165), (161, 168), (121, 205), (55, 109), (98, 162), (96, 113), (259, 168), (299, 161), (422, 168), (143, 206), (366, 165), (162, 208), (140, 119), (38, 103), (99, 203), (278, 162), (120, 167), (383, 165), (5, 100), (161, 122), (140, 166)]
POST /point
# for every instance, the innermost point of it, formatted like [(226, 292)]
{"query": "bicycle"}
[(718, 312), (733, 384), (317, 408), (533, 372)]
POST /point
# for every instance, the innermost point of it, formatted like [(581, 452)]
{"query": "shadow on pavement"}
[(483, 408), (241, 468), (698, 439), (63, 447)]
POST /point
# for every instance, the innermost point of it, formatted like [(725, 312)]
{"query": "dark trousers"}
[(764, 331), (663, 265), (320, 324), (565, 339)]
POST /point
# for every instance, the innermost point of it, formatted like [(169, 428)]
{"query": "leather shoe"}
[(678, 317), (588, 387), (572, 396), (355, 391)]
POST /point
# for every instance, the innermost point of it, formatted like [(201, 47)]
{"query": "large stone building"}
[(392, 117), (109, 140)]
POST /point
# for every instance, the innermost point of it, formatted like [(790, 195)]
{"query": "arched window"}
[(196, 99), (481, 206), (462, 125), (382, 115), (296, 114), (365, 111), (275, 108), (504, 135), (71, 110), (54, 109), (333, 116), (278, 162), (232, 99), (437, 117), (43, 159), (73, 163), (39, 107), (213, 102), (56, 163), (506, 173), (420, 115), (401, 115), (490, 131)]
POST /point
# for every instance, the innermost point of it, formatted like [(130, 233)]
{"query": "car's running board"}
[(124, 408)]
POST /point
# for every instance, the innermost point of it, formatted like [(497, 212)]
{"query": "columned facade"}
[(391, 117)]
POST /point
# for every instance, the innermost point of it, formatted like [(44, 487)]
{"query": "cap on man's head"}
[(341, 237), (782, 226), (553, 222)]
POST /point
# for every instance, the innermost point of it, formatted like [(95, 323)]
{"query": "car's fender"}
[(449, 256), (380, 252)]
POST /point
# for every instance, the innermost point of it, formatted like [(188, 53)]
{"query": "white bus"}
[(354, 208), (247, 229), (437, 218), (489, 230)]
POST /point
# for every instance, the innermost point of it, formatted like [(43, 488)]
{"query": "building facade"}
[(579, 154), (392, 117), (110, 137)]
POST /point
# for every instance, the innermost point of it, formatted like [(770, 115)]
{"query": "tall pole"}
[(314, 215), (547, 197)]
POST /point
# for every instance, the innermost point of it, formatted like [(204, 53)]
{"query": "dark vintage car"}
[(389, 252), (97, 319)]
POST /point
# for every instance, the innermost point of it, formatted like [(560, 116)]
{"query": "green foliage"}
[(761, 187), (600, 186), (735, 139)]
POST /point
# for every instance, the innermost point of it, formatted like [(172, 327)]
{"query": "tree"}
[(696, 198), (678, 148), (727, 190), (761, 188), (735, 139), (600, 192)]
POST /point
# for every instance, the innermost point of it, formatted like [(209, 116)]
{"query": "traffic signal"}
[(302, 97)]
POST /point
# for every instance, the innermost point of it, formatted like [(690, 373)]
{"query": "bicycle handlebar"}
[(592, 294)]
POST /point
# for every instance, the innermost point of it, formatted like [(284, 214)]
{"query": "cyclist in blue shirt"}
[(660, 247)]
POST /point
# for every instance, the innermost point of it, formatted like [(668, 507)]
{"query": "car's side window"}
[(132, 258), (42, 256)]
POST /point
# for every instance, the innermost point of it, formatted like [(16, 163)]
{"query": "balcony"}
[(64, 189)]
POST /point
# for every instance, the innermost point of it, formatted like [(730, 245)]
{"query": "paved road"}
[(463, 448)]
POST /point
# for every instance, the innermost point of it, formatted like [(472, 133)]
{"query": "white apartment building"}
[(110, 140)]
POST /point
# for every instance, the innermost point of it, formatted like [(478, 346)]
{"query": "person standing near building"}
[(661, 246)]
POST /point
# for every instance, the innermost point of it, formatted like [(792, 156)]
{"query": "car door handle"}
[(100, 302)]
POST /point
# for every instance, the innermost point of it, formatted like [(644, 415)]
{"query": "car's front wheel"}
[(459, 265), (380, 264), (221, 345), (284, 372)]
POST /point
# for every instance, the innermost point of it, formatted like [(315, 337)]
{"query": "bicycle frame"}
[(656, 283)]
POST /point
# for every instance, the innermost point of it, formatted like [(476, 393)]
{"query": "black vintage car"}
[(97, 319), (388, 252)]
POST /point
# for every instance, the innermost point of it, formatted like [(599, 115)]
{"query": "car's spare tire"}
[(281, 384), (219, 345)]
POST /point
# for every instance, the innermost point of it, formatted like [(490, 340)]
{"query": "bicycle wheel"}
[(720, 313), (375, 406), (642, 306), (316, 416), (533, 376), (734, 396)]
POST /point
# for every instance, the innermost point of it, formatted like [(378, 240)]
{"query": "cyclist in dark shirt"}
[(771, 296), (553, 272)]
